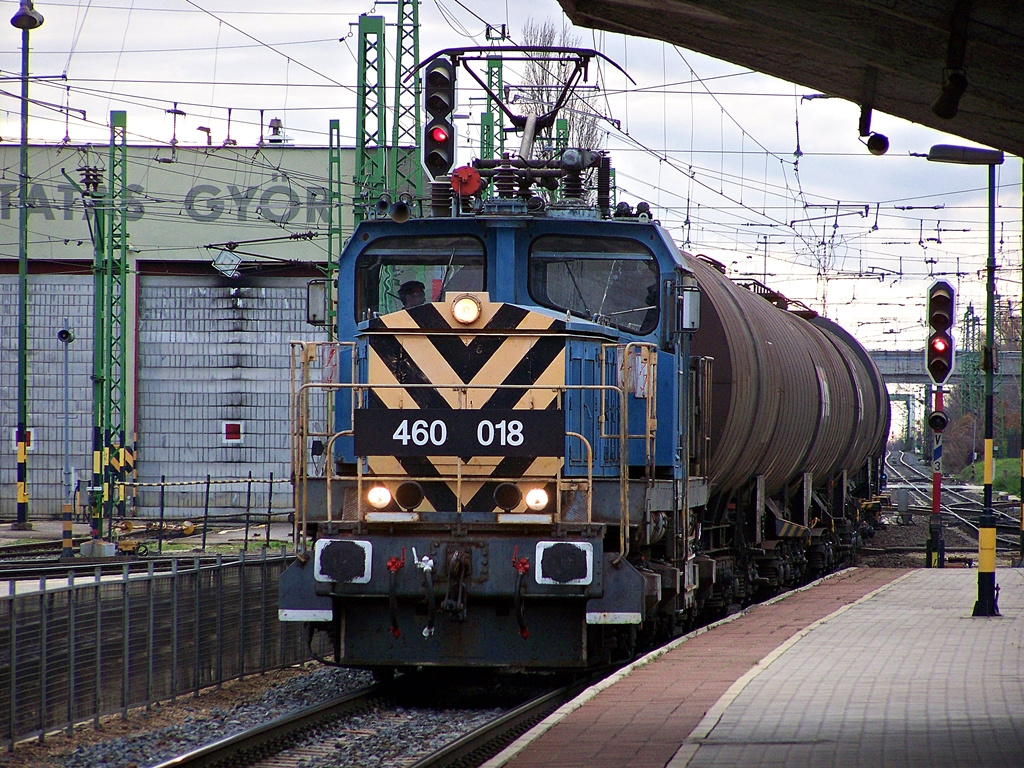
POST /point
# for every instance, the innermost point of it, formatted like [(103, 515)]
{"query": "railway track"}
[(313, 735), (257, 746), (964, 512), (479, 745), (36, 548)]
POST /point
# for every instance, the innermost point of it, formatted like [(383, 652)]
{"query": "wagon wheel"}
[(142, 550)]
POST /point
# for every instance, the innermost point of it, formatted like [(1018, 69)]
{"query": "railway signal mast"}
[(938, 360), (439, 132)]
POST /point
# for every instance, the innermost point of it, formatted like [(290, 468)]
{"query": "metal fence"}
[(74, 649)]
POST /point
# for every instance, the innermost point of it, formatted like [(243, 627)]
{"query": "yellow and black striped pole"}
[(22, 522), (95, 490), (68, 544), (987, 603), (65, 337)]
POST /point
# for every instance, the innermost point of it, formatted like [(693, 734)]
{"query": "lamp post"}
[(26, 19), (65, 336), (946, 153)]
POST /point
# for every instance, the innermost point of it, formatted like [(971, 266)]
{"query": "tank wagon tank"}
[(546, 438)]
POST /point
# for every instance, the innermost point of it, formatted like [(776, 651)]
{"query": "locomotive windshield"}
[(611, 280), (396, 269)]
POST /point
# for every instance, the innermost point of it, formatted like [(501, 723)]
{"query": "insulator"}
[(505, 178), (572, 186), (604, 186), (441, 197), (92, 178)]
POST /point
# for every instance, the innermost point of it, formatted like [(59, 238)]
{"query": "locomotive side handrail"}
[(307, 352), (700, 406), (623, 354)]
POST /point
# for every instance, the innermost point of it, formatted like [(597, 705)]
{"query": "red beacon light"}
[(939, 345), (438, 134)]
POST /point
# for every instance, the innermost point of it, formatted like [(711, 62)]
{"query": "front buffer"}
[(485, 601)]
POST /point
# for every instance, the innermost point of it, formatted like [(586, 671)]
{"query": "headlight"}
[(466, 309), (409, 495), (507, 496), (379, 497), (536, 499)]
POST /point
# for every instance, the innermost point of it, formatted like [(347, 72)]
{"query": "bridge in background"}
[(907, 366)]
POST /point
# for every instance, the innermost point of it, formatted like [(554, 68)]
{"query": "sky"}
[(770, 178)]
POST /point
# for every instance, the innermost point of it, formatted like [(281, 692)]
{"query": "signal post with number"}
[(938, 362), (935, 550)]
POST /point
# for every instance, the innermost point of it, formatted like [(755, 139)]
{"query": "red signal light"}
[(939, 356), (438, 134)]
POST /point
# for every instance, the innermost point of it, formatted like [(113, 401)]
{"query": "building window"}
[(233, 433)]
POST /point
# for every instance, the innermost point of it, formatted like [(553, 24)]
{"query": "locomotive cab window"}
[(400, 272), (608, 280)]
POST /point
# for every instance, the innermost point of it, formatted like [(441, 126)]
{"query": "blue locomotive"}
[(551, 438)]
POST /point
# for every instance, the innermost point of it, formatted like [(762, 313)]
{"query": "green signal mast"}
[(113, 417), (382, 167), (404, 173), (371, 127)]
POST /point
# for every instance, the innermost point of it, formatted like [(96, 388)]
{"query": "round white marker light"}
[(466, 309), (378, 496), (536, 499)]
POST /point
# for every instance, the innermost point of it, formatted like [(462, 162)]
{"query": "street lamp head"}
[(877, 144), (950, 153), (27, 17)]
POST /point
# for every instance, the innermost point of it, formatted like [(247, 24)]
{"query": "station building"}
[(208, 352)]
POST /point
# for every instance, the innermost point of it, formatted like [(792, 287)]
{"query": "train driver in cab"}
[(412, 293)]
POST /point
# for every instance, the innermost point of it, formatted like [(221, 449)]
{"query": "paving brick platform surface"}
[(650, 716)]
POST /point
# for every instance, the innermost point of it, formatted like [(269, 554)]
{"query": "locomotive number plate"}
[(437, 432)]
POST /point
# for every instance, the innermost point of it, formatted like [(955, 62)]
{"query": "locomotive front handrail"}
[(560, 482), (303, 434)]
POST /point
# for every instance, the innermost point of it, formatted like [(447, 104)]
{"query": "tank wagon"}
[(546, 437)]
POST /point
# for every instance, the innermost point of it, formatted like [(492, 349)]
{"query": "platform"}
[(871, 667)]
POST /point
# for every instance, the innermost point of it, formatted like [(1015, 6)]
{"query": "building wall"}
[(51, 298), (209, 350), (213, 352)]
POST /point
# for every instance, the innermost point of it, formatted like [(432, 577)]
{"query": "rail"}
[(272, 736)]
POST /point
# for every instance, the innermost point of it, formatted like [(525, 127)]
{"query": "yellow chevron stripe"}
[(507, 357), (535, 321), (540, 399), (433, 365), (379, 373), (440, 372)]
